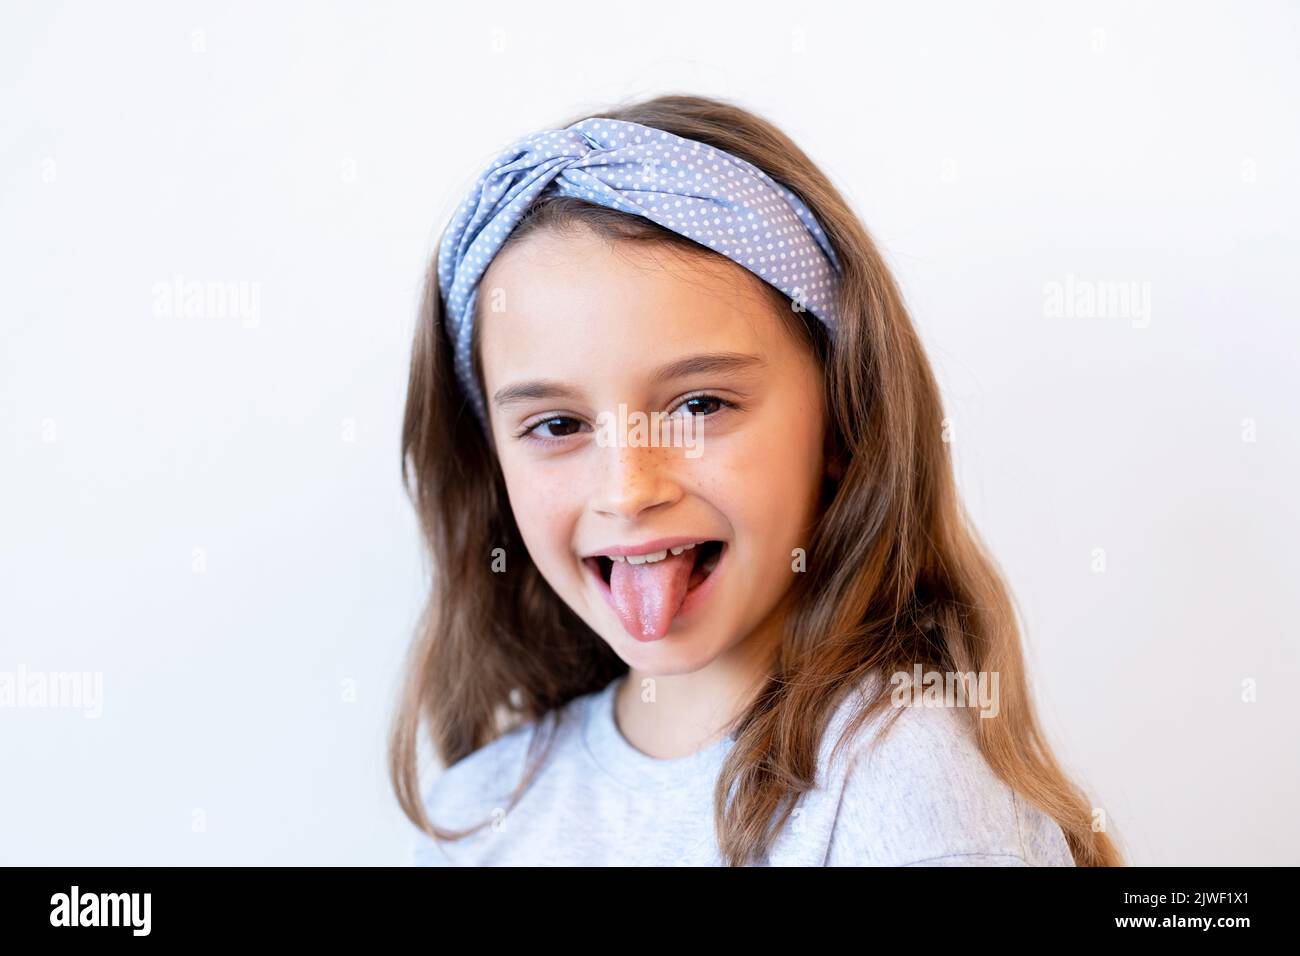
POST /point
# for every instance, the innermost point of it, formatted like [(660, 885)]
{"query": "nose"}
[(631, 480)]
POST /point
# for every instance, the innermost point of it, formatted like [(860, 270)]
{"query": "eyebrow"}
[(702, 364)]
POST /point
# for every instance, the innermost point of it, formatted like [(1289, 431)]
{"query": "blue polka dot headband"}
[(708, 195)]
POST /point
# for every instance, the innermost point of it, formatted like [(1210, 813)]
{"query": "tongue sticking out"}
[(648, 595)]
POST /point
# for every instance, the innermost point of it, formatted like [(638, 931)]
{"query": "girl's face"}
[(574, 326)]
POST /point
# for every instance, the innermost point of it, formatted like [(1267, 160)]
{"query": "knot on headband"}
[(717, 199)]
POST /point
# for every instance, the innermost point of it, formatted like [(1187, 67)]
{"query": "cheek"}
[(544, 502), (768, 483), (772, 467)]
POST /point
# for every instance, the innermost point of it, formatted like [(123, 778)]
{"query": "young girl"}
[(757, 630)]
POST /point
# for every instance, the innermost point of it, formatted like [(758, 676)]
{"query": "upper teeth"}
[(652, 556)]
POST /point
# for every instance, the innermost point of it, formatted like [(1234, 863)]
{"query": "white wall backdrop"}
[(204, 509)]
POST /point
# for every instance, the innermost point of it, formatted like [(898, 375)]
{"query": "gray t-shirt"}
[(924, 797)]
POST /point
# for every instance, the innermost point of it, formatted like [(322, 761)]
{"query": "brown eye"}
[(705, 400), (705, 405), (572, 426)]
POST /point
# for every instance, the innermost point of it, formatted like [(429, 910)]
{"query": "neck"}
[(675, 715)]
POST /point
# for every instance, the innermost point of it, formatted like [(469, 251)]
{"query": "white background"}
[(314, 151)]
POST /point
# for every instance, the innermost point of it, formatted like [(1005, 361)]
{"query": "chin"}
[(674, 655)]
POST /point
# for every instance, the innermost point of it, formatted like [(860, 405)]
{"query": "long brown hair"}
[(896, 573)]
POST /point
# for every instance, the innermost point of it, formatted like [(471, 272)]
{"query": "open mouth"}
[(707, 556)]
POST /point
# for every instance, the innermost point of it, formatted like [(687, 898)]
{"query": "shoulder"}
[(478, 787), (916, 791)]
